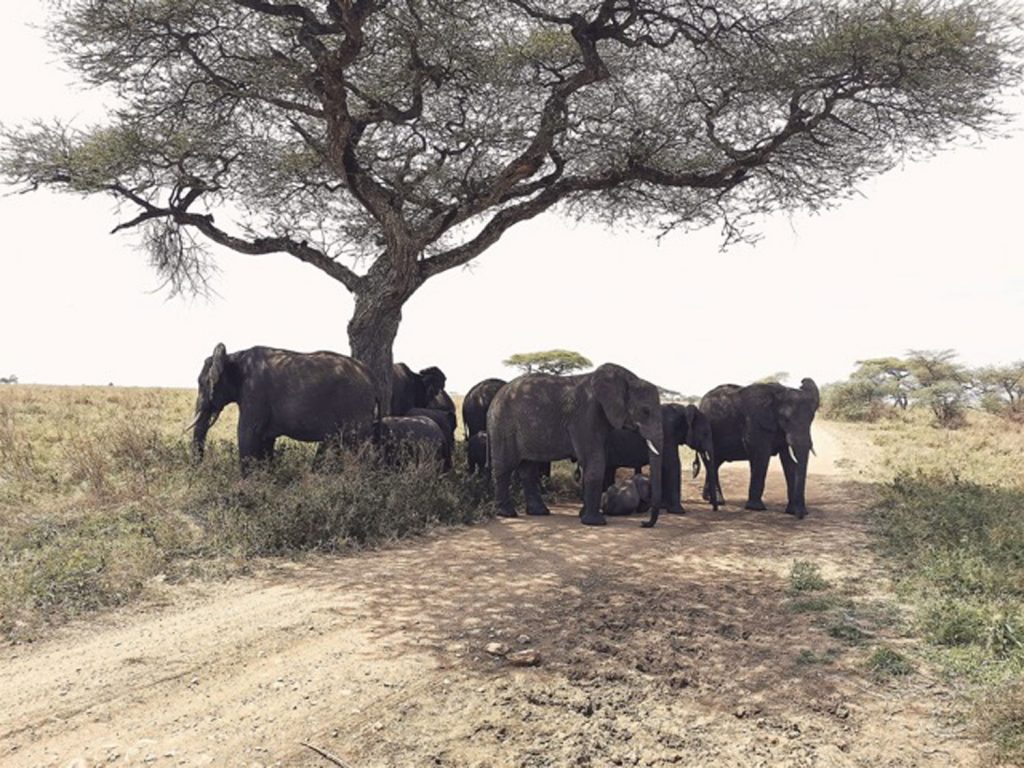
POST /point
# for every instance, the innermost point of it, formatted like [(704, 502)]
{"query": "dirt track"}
[(672, 646)]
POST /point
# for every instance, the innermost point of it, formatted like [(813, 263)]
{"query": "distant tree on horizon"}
[(12, 379), (555, 361)]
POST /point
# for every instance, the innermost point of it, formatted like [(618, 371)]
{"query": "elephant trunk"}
[(654, 436), (205, 418), (711, 470), (800, 452)]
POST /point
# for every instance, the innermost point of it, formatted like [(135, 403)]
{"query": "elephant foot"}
[(538, 511), (597, 519), (757, 506), (507, 513), (675, 511), (799, 512)]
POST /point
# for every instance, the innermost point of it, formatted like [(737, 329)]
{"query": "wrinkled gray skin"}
[(442, 401), (633, 496), (681, 425), (756, 422), (415, 390), (316, 397), (539, 417), (476, 454), (446, 421), (475, 405), (405, 440)]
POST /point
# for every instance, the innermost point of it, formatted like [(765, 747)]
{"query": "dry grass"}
[(951, 515), (98, 497)]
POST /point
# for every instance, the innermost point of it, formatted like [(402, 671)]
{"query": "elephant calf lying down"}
[(633, 496)]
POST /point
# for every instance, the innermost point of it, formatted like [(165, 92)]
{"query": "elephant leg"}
[(711, 478), (593, 477), (502, 493), (253, 447), (796, 481), (758, 472), (329, 453), (529, 476), (609, 476), (789, 470), (671, 481)]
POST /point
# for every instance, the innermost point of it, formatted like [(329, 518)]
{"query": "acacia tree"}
[(892, 377), (1002, 387), (384, 142), (556, 361)]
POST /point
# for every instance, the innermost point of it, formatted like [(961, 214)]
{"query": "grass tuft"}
[(805, 576), (886, 664), (999, 718)]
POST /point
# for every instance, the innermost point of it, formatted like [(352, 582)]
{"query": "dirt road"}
[(674, 646)]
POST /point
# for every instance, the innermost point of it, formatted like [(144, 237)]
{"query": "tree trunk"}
[(375, 320)]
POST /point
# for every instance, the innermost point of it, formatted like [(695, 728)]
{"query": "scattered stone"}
[(524, 658), (496, 649), (524, 639)]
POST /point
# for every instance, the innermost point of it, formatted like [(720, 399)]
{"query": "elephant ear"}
[(691, 417), (433, 380), (610, 391), (811, 389), (215, 370)]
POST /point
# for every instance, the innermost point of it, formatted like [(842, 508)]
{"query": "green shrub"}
[(962, 538), (854, 400), (885, 664), (350, 505), (805, 576)]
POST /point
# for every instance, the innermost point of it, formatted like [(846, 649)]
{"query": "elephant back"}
[(476, 403)]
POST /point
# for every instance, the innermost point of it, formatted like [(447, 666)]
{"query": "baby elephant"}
[(634, 496), (405, 440), (476, 454)]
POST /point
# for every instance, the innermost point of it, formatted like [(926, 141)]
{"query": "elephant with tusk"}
[(538, 418), (756, 422), (681, 425)]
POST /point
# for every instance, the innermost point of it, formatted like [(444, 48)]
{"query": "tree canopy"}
[(385, 142), (556, 361), (929, 378)]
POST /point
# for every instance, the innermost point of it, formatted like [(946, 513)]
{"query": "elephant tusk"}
[(193, 422), (696, 464), (792, 454), (651, 448), (812, 450)]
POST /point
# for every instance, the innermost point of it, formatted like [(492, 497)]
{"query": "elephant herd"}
[(602, 420)]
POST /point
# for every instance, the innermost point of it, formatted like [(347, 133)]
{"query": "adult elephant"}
[(475, 405), (540, 417), (681, 425), (314, 397), (755, 422), (410, 389)]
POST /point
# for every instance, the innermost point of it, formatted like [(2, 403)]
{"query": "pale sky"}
[(928, 257)]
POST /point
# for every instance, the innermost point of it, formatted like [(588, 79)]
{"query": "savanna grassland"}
[(98, 497), (158, 613)]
